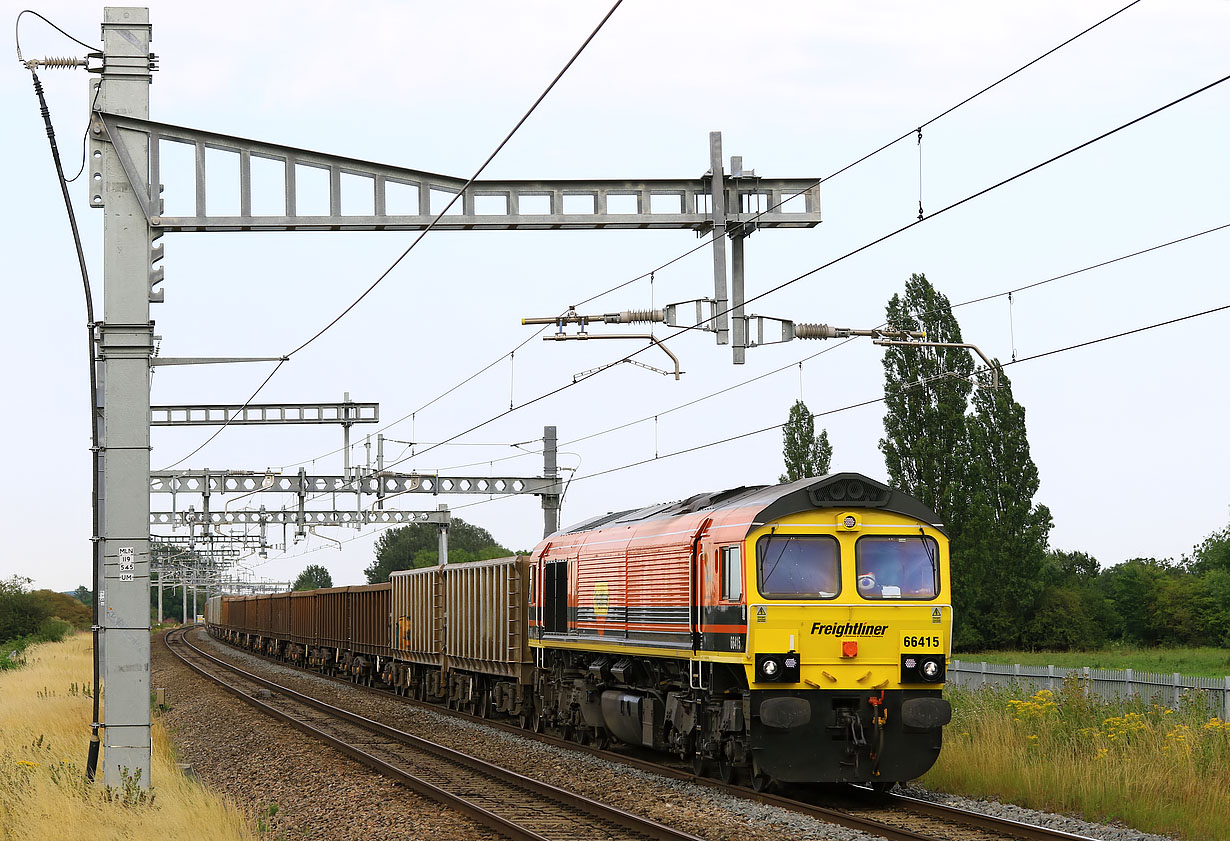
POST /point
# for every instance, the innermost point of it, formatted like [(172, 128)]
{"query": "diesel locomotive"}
[(795, 632)]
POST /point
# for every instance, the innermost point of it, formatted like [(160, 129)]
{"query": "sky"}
[(1128, 434)]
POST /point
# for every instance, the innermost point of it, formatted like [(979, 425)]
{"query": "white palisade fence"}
[(1166, 689)]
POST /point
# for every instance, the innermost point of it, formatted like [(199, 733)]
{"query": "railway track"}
[(890, 816), (511, 805)]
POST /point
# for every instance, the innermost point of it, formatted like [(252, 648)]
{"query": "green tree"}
[(1070, 569), (1213, 553), (1135, 587), (415, 546), (1072, 583), (926, 395), (64, 606), (805, 452), (1061, 623), (975, 469), (1003, 534), (313, 577), (83, 595), (21, 612)]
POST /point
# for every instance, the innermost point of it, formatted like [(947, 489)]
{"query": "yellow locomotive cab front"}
[(849, 634)]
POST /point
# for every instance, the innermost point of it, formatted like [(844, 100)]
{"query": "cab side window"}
[(732, 573)]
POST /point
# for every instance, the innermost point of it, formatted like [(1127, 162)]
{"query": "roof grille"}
[(847, 491)]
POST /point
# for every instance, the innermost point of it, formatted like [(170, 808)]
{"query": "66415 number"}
[(929, 642)]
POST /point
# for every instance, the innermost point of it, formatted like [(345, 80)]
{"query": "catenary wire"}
[(874, 400), (883, 238), (431, 226), (977, 300), (709, 240), (849, 407)]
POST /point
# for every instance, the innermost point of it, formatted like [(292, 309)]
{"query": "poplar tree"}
[(926, 394), (975, 469), (805, 453), (1003, 530)]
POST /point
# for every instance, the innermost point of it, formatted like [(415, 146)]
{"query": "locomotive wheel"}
[(760, 780), (580, 735), (882, 787), (700, 764), (727, 772), (525, 721), (602, 741)]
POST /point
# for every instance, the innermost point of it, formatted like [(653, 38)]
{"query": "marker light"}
[(930, 669), (769, 667), (849, 648)]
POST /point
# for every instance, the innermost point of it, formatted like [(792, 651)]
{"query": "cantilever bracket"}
[(561, 337), (991, 365)]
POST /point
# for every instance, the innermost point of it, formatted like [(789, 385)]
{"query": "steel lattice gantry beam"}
[(730, 204), (239, 414), (407, 199), (312, 517), (377, 484)]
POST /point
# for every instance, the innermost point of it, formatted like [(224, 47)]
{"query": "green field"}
[(1206, 662)]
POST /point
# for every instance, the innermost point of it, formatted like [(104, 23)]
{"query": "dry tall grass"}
[(1156, 769), (45, 713)]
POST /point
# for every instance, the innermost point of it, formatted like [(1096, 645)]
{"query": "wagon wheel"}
[(538, 723), (580, 735), (881, 787), (602, 741), (484, 705), (727, 772)]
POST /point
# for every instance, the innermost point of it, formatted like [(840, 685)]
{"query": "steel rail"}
[(634, 823), (1018, 829), (821, 813), (976, 820)]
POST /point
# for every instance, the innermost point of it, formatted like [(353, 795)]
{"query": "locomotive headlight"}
[(778, 668), (922, 668)]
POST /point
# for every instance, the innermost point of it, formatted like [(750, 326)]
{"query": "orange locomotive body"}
[(794, 632)]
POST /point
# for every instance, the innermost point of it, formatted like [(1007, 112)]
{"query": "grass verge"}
[(1153, 768), (45, 716), (1202, 662)]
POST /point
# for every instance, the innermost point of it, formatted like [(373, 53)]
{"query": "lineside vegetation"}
[(1198, 662), (1156, 769), (44, 726)]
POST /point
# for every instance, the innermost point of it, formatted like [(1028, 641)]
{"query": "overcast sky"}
[(1129, 435)]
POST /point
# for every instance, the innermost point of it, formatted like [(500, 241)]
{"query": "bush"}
[(53, 629), (65, 607), (21, 612)]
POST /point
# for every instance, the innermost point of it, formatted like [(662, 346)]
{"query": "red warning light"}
[(849, 648)]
